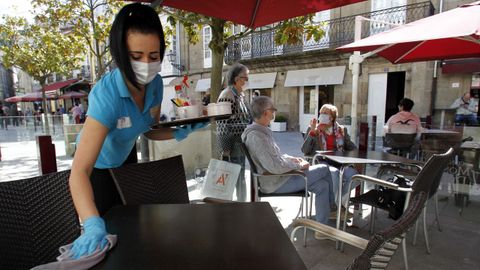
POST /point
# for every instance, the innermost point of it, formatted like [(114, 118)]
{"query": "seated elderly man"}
[(267, 157)]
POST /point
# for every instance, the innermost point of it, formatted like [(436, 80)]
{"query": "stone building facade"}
[(327, 78)]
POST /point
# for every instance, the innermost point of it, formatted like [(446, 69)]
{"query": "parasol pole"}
[(354, 66), (44, 107)]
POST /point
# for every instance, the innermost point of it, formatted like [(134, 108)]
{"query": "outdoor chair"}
[(161, 181), (255, 179), (378, 251), (37, 216), (467, 174), (399, 144), (155, 182), (438, 143)]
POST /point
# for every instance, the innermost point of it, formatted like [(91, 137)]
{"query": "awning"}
[(315, 76), (261, 80), (58, 85), (468, 65), (203, 85)]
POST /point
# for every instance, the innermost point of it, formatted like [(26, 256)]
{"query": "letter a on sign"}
[(222, 179)]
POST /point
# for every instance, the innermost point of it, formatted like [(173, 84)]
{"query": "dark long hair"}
[(138, 18)]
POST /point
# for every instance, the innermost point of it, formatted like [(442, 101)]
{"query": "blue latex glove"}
[(182, 132), (93, 236)]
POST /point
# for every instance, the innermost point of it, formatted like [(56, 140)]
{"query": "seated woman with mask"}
[(327, 134)]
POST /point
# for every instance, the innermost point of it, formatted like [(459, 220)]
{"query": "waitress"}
[(122, 105)]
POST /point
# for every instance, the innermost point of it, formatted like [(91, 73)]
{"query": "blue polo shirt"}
[(111, 104)]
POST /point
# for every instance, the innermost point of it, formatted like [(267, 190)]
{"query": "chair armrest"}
[(294, 172), (215, 200), (398, 170), (380, 182), (210, 200), (340, 235)]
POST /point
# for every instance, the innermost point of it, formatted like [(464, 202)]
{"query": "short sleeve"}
[(102, 103)]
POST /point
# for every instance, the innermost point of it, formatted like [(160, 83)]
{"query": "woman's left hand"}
[(182, 132)]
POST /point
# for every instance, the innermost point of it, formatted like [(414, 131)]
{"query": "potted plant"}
[(280, 123)]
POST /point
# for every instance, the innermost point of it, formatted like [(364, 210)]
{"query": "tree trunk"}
[(217, 45), (44, 106)]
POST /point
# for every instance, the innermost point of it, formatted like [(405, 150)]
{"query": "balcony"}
[(338, 32)]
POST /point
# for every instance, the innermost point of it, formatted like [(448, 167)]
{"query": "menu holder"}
[(186, 121)]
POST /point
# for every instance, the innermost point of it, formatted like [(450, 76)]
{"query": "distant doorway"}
[(325, 95), (311, 100), (385, 90), (395, 92)]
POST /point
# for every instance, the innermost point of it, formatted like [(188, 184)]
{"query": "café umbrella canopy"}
[(253, 13), (449, 35), (30, 97)]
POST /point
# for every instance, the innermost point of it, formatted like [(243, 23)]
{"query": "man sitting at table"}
[(327, 134), (266, 155), (404, 121), (467, 108)]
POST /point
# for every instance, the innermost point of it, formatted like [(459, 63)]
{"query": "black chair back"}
[(399, 140), (384, 243), (430, 176), (37, 216), (253, 168), (160, 181)]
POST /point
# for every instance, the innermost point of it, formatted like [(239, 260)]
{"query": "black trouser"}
[(104, 190)]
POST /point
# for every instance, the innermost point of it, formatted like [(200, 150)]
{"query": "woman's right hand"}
[(93, 237)]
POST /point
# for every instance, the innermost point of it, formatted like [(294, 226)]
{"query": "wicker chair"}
[(37, 216), (161, 181), (378, 251)]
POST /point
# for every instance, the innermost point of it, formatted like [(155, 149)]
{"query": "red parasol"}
[(29, 97), (254, 13), (448, 35)]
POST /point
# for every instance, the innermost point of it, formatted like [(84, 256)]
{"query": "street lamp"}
[(172, 58)]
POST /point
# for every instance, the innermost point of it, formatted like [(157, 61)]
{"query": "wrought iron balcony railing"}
[(337, 32)]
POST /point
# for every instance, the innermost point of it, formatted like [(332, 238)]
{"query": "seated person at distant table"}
[(266, 155), (404, 121), (466, 110), (328, 134)]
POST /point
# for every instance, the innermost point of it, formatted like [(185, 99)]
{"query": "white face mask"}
[(324, 119), (245, 86), (145, 72), (273, 118)]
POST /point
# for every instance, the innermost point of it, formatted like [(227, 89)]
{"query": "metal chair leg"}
[(311, 204), (416, 227), (415, 233), (437, 213), (300, 210), (425, 232), (304, 236), (404, 248), (373, 213)]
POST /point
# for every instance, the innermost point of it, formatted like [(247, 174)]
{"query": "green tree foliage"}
[(89, 20), (39, 49), (288, 32)]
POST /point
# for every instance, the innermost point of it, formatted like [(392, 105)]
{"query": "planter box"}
[(278, 126)]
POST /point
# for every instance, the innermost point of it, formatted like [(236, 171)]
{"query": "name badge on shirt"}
[(124, 122)]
